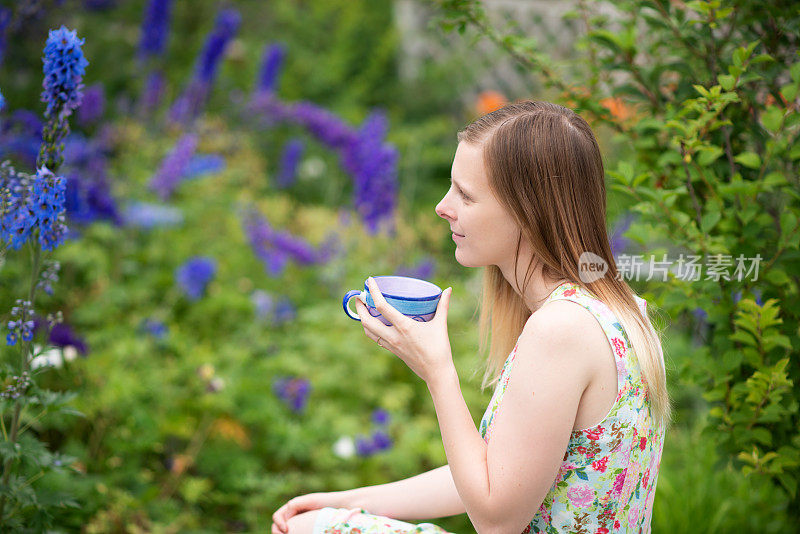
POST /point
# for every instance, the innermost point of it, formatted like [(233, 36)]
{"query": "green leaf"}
[(700, 89), (789, 91), (710, 220), (726, 81), (749, 159), (774, 179), (794, 71), (772, 118), (708, 155)]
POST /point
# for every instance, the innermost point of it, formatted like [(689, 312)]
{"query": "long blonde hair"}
[(544, 165)]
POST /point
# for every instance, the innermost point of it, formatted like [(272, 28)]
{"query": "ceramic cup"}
[(413, 297)]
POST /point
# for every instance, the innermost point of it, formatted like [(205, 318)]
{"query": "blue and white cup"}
[(413, 297)]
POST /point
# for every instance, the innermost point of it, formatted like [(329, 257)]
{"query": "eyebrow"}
[(469, 194)]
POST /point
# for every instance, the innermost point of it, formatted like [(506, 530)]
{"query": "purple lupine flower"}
[(423, 270), (64, 67), (364, 446), (195, 274), (152, 93), (154, 327), (174, 166), (93, 105), (2, 102), (293, 392), (62, 335), (292, 153), (271, 64), (155, 27), (275, 248), (380, 417), (617, 240), (188, 105), (225, 28), (324, 125), (373, 165), (202, 164), (381, 440), (757, 294)]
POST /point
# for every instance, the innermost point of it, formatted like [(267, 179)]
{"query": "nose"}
[(443, 208)]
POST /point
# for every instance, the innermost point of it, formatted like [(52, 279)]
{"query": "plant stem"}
[(36, 257)]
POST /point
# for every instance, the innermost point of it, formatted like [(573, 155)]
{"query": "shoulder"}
[(566, 331)]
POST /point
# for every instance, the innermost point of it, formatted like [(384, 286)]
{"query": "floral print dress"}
[(607, 480)]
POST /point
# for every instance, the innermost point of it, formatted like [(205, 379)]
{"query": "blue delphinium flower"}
[(271, 64), (64, 67), (293, 392), (203, 164), (174, 166), (22, 323), (47, 205), (284, 311), (380, 417), (93, 104), (2, 102), (155, 27), (32, 202), (292, 153), (194, 275)]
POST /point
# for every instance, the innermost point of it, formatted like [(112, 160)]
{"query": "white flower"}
[(55, 357), (344, 447), (312, 167)]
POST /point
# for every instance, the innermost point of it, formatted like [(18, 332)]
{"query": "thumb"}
[(444, 304)]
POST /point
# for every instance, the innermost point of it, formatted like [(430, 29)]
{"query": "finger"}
[(444, 305), (373, 327), (387, 310)]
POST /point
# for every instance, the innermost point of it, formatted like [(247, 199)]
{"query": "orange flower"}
[(180, 462), (489, 101), (617, 107), (232, 430)]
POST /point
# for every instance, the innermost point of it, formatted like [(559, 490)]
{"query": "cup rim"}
[(398, 297)]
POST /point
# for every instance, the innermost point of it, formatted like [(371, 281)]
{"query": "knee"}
[(303, 523)]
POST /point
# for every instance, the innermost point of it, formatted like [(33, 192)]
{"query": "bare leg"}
[(303, 523)]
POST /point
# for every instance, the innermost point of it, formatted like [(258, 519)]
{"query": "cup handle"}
[(346, 302)]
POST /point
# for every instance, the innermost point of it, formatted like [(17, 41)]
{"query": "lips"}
[(459, 235)]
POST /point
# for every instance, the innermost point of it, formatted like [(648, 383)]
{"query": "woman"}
[(571, 440)]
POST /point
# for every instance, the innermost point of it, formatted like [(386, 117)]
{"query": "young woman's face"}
[(489, 233)]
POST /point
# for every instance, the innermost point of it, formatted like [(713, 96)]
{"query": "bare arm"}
[(429, 495)]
